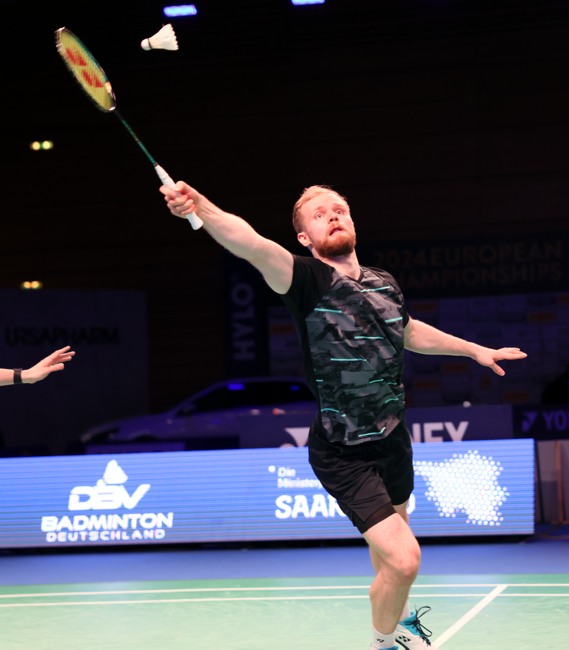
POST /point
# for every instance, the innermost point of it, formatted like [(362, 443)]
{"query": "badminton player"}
[(53, 363), (353, 327)]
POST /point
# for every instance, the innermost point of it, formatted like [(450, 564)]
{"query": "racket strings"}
[(87, 72)]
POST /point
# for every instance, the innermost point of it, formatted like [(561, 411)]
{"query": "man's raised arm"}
[(233, 233)]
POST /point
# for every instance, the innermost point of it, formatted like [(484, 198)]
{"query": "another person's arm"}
[(233, 233), (52, 363), (426, 339)]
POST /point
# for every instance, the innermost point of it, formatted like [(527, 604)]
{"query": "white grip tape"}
[(193, 218)]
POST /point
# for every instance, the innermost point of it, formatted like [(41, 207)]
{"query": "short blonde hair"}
[(307, 194)]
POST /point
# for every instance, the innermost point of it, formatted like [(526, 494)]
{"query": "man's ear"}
[(304, 239)]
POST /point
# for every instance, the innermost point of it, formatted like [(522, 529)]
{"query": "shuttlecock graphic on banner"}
[(165, 39)]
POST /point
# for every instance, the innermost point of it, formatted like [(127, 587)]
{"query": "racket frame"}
[(99, 85)]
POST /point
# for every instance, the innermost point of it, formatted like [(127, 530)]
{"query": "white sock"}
[(381, 640)]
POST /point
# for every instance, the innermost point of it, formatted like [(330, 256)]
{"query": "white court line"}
[(159, 601), (188, 590), (453, 629), (193, 590)]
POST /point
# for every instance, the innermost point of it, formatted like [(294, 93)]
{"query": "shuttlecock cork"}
[(165, 39)]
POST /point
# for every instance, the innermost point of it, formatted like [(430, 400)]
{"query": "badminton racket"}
[(93, 80)]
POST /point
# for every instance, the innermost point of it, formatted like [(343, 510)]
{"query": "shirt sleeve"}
[(310, 280)]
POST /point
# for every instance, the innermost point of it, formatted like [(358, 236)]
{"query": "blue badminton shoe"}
[(411, 634)]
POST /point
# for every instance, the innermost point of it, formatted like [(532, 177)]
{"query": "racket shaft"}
[(193, 218)]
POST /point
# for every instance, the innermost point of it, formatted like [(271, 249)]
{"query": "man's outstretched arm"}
[(233, 233), (426, 339)]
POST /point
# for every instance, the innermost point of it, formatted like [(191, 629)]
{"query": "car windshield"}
[(249, 394)]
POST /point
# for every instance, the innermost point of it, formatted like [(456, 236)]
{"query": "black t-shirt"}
[(351, 333)]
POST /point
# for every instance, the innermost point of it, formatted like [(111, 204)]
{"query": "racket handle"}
[(193, 218)]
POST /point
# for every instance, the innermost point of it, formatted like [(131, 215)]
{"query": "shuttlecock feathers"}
[(165, 39)]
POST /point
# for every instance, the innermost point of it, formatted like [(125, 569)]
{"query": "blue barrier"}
[(238, 495)]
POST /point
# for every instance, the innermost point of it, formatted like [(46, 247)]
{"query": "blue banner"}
[(541, 422), (462, 488), (425, 424)]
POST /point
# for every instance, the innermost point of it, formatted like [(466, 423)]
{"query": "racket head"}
[(85, 69)]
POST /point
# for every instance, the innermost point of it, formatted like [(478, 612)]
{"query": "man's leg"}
[(396, 556), (409, 632), (376, 562)]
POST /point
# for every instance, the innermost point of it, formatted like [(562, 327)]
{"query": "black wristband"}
[(17, 375)]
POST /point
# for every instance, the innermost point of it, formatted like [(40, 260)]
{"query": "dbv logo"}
[(109, 493)]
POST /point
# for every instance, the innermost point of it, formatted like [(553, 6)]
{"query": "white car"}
[(243, 412)]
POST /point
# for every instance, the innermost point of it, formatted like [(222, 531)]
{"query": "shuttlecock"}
[(165, 39)]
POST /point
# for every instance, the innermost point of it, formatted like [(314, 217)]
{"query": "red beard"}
[(341, 244)]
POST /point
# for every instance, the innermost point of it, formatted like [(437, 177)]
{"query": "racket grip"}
[(193, 218)]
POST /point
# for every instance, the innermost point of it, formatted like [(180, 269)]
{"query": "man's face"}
[(327, 226)]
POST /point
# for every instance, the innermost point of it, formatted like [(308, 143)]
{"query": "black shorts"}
[(366, 480)]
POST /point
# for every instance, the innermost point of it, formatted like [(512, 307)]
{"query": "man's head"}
[(322, 221), (307, 194)]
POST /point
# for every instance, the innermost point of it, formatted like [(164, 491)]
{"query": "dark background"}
[(438, 119)]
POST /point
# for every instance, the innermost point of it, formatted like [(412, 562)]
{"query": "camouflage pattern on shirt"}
[(354, 339)]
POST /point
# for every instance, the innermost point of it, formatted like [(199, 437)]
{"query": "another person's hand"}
[(52, 363)]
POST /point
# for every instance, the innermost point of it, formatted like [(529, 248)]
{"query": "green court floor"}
[(498, 612)]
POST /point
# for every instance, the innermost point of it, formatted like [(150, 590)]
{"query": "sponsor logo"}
[(550, 421), (302, 504), (299, 435), (432, 431), (529, 418), (109, 493)]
